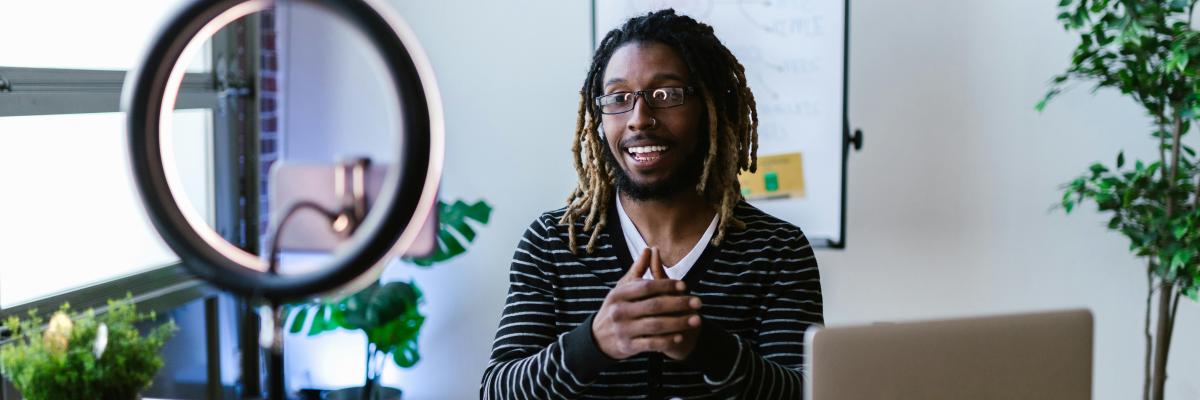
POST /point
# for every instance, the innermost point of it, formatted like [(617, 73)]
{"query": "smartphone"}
[(309, 231)]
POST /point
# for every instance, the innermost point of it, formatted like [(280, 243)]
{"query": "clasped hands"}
[(640, 315)]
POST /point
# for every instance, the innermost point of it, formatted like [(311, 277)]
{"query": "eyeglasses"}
[(665, 97)]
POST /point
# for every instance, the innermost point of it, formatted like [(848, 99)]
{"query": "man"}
[(717, 301)]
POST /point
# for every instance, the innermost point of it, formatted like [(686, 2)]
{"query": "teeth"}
[(646, 149)]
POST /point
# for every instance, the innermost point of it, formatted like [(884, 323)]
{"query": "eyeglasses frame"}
[(687, 91)]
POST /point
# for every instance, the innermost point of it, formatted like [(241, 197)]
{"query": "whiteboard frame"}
[(827, 243)]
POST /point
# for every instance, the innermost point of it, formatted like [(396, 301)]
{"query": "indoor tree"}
[(1149, 51)]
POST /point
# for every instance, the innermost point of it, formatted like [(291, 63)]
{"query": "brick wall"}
[(268, 108)]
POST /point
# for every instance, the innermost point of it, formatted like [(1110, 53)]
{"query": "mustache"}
[(642, 137)]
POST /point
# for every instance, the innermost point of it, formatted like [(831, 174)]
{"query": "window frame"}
[(54, 91), (58, 91)]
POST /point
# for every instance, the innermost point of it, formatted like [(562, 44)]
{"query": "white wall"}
[(334, 87), (509, 74), (948, 202)]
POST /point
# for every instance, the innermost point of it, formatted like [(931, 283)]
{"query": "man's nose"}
[(641, 117)]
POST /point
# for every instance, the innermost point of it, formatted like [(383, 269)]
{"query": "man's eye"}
[(621, 97), (661, 94)]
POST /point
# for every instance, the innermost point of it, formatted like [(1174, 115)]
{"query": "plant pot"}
[(355, 393)]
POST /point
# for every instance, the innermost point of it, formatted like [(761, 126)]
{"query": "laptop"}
[(1045, 355)]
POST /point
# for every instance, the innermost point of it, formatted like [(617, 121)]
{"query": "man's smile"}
[(646, 156)]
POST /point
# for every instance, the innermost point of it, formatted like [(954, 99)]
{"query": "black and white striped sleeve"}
[(529, 359), (769, 366)]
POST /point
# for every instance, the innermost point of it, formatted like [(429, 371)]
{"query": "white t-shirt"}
[(636, 243)]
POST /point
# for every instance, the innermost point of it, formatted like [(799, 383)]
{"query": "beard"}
[(683, 178)]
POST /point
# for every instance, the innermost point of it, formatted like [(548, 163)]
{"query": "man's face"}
[(671, 134)]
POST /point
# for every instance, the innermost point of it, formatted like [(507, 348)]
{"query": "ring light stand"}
[(407, 196)]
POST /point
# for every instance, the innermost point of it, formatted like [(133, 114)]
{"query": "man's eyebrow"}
[(662, 76), (668, 77), (613, 81)]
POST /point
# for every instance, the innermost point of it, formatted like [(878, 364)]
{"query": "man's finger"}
[(641, 289), (663, 305), (653, 343), (639, 267), (656, 267), (658, 326)]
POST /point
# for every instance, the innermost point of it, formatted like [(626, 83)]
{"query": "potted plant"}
[(1149, 51), (387, 313), (83, 356)]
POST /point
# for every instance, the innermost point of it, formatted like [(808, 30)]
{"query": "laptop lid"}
[(1045, 355)]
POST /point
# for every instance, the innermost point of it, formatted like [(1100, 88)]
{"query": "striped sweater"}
[(760, 290)]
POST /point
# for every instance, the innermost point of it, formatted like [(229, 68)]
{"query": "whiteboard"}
[(794, 52)]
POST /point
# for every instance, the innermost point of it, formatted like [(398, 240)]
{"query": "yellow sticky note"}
[(778, 176)]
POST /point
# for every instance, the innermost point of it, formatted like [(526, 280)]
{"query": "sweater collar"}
[(620, 249)]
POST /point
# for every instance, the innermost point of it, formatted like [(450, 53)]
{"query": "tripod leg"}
[(275, 386)]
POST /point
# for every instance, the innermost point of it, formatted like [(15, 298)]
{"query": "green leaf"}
[(1108, 183), (1067, 203), (393, 300), (337, 317), (454, 218), (298, 322), (398, 322), (450, 244), (1121, 159), (321, 323), (407, 355), (356, 310), (1181, 259)]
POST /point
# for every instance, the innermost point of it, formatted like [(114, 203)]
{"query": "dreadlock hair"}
[(732, 122)]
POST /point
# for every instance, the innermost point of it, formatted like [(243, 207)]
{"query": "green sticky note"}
[(771, 181)]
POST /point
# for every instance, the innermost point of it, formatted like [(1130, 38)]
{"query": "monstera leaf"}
[(387, 313), (453, 218), (394, 308)]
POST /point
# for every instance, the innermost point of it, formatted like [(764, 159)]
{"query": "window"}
[(72, 215), (95, 35), (71, 207)]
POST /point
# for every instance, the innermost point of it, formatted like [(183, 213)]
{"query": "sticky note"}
[(778, 176)]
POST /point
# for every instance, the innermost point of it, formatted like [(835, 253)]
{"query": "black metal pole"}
[(251, 381), (212, 343), (275, 371)]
